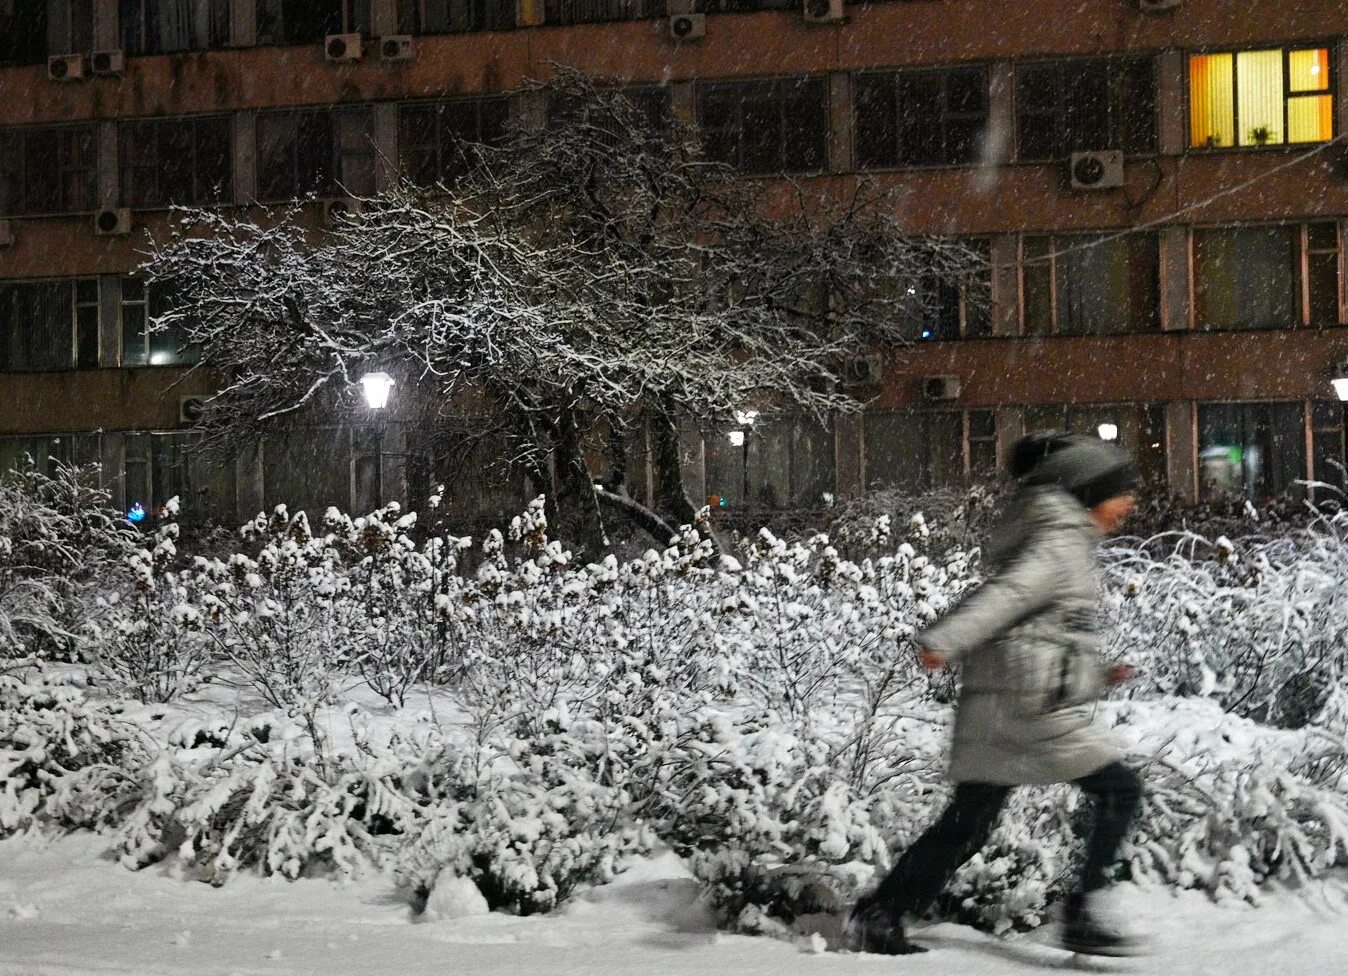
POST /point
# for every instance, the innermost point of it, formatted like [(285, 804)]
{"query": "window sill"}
[(1284, 147)]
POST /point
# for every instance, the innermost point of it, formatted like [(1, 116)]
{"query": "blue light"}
[(137, 514), (926, 333)]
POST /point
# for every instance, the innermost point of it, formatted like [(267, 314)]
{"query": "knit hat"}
[(1089, 469)]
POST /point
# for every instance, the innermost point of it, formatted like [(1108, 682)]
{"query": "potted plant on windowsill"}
[(1261, 134)]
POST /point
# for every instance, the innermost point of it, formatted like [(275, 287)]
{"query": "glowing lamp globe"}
[(1108, 432), (737, 438), (136, 515), (377, 387), (1340, 385)]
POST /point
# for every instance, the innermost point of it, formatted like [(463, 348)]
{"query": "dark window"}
[(454, 16), (49, 324), (1246, 277), (920, 118), (23, 32), (1251, 450), (308, 469), (918, 450), (1094, 284), (315, 151), (1064, 107), (1327, 446), (437, 140), (70, 26), (159, 467), (766, 126), (1138, 428), (176, 161), (785, 462), (148, 340), (48, 170), (165, 26), (650, 102), (49, 450), (742, 6), (596, 11), (1323, 288), (306, 21)]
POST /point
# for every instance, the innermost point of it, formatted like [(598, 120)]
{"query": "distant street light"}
[(377, 387), (1108, 432), (1340, 381)]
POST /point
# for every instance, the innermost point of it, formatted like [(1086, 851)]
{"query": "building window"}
[(454, 16), (920, 118), (742, 6), (1327, 447), (146, 339), (159, 467), (598, 11), (23, 32), (1255, 451), (938, 305), (176, 161), (437, 141), (651, 103), (1276, 276), (70, 26), (47, 451), (922, 450), (1090, 284), (766, 126), (48, 170), (49, 324), (1138, 428), (787, 462), (307, 21), (312, 469), (1260, 98), (324, 152), (1071, 106), (166, 26)]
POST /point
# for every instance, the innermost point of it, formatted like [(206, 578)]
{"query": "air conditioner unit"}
[(864, 370), (1159, 6), (1096, 170), (192, 410), (824, 11), (343, 47), (6, 233), (396, 47), (107, 63), (340, 208), (940, 388), (688, 27), (65, 67), (112, 222)]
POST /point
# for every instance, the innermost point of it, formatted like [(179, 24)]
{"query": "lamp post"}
[(740, 438), (1339, 381), (1108, 432), (377, 387)]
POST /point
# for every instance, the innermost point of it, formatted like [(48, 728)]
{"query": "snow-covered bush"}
[(150, 642), (50, 734), (59, 539)]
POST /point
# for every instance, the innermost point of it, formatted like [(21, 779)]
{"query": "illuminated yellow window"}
[(1260, 98)]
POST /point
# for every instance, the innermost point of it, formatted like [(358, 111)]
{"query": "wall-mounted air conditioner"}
[(1096, 170), (65, 67), (940, 388), (396, 47), (107, 63), (688, 27), (343, 47), (112, 222)]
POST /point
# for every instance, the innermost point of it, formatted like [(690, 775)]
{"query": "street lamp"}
[(1108, 432), (740, 438), (377, 387), (1340, 381)]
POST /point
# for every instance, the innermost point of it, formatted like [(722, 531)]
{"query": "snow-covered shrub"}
[(150, 644), (60, 539), (51, 733)]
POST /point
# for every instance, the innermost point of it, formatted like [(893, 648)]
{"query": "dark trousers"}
[(962, 830)]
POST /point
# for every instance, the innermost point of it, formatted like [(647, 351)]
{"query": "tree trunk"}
[(582, 525), (671, 500)]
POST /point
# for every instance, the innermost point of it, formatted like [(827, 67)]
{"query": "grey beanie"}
[(1089, 469)]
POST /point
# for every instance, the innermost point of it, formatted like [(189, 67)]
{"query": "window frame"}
[(1115, 125), (1286, 49), (143, 48), (477, 101), (894, 75), (416, 11), (968, 440), (1053, 237), (1307, 408), (227, 191), (644, 10), (335, 114), (350, 24), (72, 361), (1301, 284), (40, 36), (778, 82), (91, 169)]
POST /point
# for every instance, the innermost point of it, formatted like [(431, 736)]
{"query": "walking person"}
[(1027, 646)]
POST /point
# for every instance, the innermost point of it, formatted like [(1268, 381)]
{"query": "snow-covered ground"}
[(67, 909)]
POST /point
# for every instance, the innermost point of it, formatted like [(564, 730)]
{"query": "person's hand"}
[(1119, 673), (929, 659)]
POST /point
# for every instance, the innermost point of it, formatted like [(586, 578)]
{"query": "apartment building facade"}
[(1161, 189)]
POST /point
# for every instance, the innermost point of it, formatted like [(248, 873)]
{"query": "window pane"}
[(876, 121), (1037, 284), (1107, 284), (1087, 107), (1245, 277), (1308, 70), (308, 469), (1259, 97), (1310, 118), (1253, 450), (1135, 112), (895, 447), (725, 469), (1212, 113)]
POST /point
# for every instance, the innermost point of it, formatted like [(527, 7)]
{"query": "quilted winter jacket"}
[(1027, 642)]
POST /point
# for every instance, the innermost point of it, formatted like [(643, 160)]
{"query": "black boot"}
[(872, 929), (1084, 932)]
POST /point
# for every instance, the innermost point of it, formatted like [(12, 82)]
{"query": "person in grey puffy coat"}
[(1027, 644)]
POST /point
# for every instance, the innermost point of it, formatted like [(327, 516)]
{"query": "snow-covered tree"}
[(588, 275)]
